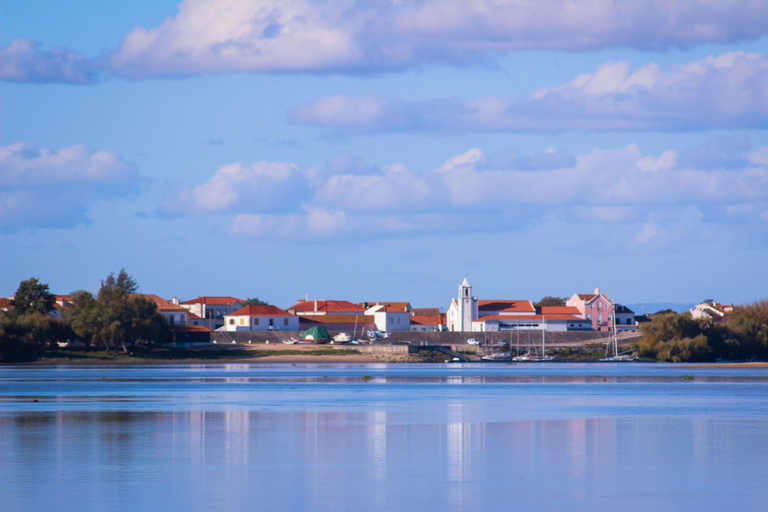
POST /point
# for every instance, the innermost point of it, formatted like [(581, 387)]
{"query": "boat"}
[(342, 337), (523, 357), (497, 357), (614, 343)]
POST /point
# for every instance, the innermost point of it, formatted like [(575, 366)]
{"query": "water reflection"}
[(338, 442)]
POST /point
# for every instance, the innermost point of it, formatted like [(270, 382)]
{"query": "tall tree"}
[(32, 296), (550, 301), (254, 302)]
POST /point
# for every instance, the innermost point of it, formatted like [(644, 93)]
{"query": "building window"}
[(285, 321), (271, 322), (599, 318), (599, 306), (242, 321), (171, 319), (255, 321), (629, 322), (231, 321)]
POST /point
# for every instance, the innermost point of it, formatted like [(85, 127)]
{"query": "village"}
[(198, 320)]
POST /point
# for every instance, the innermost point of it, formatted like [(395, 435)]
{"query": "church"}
[(468, 314)]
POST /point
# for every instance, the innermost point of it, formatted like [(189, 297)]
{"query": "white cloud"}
[(264, 186), (725, 91), (641, 193), (358, 35), (21, 61), (54, 188)]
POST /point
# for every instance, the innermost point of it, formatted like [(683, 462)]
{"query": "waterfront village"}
[(196, 319)]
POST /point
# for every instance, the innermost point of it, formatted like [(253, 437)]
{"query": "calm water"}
[(432, 437)]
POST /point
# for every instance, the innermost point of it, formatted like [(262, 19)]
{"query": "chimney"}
[(175, 301), (315, 305), (597, 291)]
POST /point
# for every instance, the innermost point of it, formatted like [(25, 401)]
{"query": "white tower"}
[(467, 305)]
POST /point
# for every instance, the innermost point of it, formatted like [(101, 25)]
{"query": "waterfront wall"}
[(553, 339)]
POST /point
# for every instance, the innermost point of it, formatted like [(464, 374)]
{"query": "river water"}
[(382, 437)]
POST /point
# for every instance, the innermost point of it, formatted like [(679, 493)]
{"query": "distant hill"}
[(652, 307)]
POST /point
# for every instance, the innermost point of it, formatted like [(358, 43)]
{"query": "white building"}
[(462, 311), (261, 318), (173, 313), (711, 311), (210, 311), (389, 319)]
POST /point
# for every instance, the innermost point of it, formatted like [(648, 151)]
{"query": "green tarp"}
[(318, 333)]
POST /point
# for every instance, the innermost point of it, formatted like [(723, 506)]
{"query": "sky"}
[(384, 150)]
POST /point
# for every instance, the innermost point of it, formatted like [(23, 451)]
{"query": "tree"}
[(550, 301), (32, 296), (116, 315), (82, 315), (255, 302), (123, 283)]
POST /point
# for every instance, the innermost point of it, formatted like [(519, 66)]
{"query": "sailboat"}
[(543, 357), (614, 343)]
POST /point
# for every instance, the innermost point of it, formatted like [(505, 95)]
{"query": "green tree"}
[(254, 302), (117, 315), (550, 301), (82, 315), (32, 296)]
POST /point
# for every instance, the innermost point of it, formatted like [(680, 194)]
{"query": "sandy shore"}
[(745, 366)]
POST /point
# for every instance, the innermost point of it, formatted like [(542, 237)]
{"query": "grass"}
[(164, 355)]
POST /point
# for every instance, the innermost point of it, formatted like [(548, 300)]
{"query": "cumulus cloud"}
[(724, 91), (363, 36), (54, 188), (263, 186), (22, 61), (644, 194)]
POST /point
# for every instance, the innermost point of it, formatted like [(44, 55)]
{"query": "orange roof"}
[(565, 310), (531, 317), (402, 306), (193, 316), (262, 310), (508, 306), (339, 319), (5, 303), (214, 301), (326, 306), (190, 328), (425, 311), (164, 305), (587, 296), (428, 319)]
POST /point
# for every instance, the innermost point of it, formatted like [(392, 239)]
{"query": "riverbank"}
[(757, 365)]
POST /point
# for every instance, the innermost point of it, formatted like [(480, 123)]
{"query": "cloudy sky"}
[(384, 149)]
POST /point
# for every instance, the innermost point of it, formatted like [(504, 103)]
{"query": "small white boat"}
[(497, 357), (342, 337)]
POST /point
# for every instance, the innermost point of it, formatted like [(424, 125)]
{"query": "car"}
[(472, 341)]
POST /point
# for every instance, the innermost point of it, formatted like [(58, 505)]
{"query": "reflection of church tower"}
[(467, 305)]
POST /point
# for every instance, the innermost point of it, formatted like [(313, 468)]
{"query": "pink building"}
[(596, 307)]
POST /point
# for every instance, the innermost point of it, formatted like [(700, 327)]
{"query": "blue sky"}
[(382, 150)]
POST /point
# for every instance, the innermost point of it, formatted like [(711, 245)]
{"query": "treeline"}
[(116, 316), (681, 338)]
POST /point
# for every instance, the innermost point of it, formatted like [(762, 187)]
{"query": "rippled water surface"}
[(383, 437)]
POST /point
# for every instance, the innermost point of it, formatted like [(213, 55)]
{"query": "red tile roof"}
[(531, 317), (402, 306), (262, 310), (326, 306), (587, 296), (565, 310), (214, 301), (428, 319), (508, 306), (165, 305), (190, 328), (5, 303), (339, 319)]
